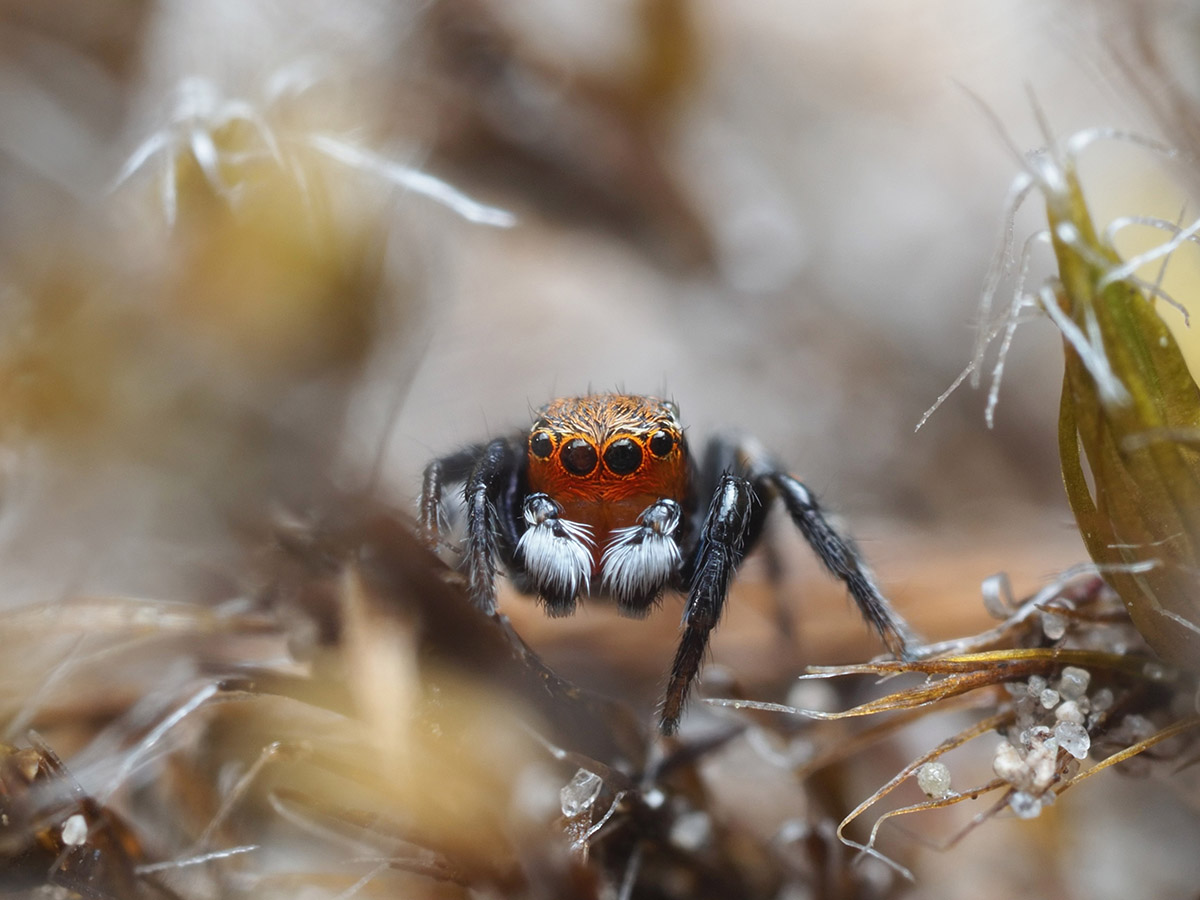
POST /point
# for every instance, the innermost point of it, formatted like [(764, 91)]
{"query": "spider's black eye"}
[(578, 457), (540, 445), (623, 457), (661, 443)]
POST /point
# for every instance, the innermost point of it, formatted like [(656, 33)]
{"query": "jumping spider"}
[(603, 489)]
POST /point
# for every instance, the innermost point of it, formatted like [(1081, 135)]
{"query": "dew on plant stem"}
[(1054, 626), (1073, 682), (934, 779), (1025, 804), (580, 793), (1069, 712), (1073, 738)]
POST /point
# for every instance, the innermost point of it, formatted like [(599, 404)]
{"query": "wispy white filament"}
[(1093, 357), (414, 180)]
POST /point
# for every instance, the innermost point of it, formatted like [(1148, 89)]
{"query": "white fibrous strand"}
[(1090, 349), (200, 111), (1020, 302), (1047, 170), (412, 179)]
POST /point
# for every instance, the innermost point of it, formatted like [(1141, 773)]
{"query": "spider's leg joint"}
[(556, 553), (731, 504)]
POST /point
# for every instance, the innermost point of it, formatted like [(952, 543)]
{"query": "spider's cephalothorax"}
[(602, 497)]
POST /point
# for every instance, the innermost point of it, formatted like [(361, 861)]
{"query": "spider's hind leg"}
[(490, 532), (490, 474), (446, 470), (839, 555), (744, 480)]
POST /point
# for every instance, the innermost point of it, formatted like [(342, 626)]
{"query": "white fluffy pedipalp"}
[(557, 555), (640, 560)]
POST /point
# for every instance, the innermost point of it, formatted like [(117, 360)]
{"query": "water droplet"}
[(1073, 683), (654, 798), (1054, 626), (1154, 671), (934, 779), (579, 795), (74, 830), (691, 831), (1069, 711), (1007, 762), (1073, 738), (1025, 804)]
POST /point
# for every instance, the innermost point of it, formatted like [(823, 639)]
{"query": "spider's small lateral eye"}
[(623, 457), (579, 457), (661, 443), (540, 445)]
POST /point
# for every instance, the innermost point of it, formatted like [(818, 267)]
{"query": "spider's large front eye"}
[(540, 445), (623, 457), (661, 443), (579, 457)]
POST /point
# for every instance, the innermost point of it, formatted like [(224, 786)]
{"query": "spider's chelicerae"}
[(601, 496)]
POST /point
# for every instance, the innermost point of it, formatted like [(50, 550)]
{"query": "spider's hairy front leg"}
[(722, 545), (492, 469), (450, 469), (842, 559)]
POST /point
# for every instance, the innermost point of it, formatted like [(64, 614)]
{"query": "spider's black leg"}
[(450, 469), (492, 472), (722, 545), (842, 559), (838, 553)]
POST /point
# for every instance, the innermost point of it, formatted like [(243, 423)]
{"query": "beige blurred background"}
[(780, 214)]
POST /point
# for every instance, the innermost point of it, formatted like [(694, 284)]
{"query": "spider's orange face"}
[(607, 457)]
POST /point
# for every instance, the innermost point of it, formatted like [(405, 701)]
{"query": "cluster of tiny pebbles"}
[(1049, 737)]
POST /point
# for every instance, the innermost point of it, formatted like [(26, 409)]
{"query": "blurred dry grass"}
[(220, 378)]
